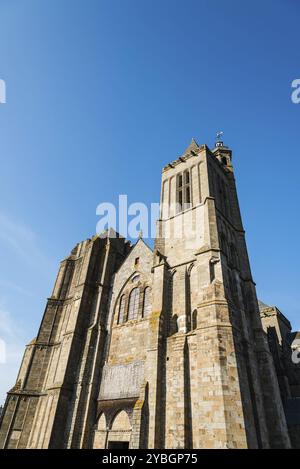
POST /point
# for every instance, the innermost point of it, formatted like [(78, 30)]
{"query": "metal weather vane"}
[(219, 134)]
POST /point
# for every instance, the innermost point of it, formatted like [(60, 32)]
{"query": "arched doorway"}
[(100, 433), (120, 432)]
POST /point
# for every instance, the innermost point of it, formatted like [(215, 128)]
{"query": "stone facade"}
[(156, 349), (285, 348)]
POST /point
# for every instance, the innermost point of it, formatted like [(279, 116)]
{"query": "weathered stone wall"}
[(123, 374), (37, 408), (121, 381), (194, 370)]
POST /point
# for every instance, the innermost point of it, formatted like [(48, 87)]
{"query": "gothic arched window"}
[(136, 278), (121, 310), (133, 307), (179, 193), (183, 191), (147, 303), (187, 195)]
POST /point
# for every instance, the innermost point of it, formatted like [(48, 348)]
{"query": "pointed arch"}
[(101, 424), (121, 315), (121, 422), (133, 306), (100, 432), (190, 267), (119, 435), (123, 292)]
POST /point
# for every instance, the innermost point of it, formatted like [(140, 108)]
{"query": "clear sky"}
[(101, 94)]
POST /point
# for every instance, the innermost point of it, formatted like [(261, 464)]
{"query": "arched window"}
[(133, 307), (183, 191), (147, 303), (136, 278), (187, 195), (121, 310), (179, 193)]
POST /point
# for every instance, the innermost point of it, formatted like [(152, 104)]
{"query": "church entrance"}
[(120, 432), (117, 436), (118, 445)]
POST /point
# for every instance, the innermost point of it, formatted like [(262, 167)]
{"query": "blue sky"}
[(101, 94)]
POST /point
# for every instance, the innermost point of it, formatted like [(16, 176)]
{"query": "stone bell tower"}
[(162, 349), (220, 384)]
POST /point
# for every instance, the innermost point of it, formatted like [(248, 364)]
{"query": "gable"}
[(143, 253)]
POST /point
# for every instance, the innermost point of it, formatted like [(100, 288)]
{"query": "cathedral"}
[(162, 348)]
